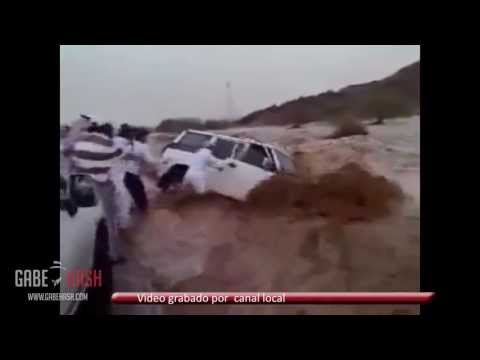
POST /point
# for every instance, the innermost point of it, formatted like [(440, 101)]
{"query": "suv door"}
[(248, 168), (220, 181)]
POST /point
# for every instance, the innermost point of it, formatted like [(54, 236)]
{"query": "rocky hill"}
[(393, 96)]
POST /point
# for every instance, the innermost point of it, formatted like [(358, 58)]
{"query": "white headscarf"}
[(77, 127)]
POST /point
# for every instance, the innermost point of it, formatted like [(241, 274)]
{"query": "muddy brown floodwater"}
[(349, 222)]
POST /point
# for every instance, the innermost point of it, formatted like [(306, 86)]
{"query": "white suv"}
[(250, 161)]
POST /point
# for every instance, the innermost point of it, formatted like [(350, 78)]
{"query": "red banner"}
[(169, 298)]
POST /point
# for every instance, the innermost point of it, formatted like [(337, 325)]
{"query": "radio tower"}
[(230, 115)]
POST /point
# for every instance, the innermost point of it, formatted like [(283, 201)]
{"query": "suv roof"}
[(239, 139)]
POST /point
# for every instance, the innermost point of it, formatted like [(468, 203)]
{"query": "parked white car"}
[(249, 161), (81, 238)]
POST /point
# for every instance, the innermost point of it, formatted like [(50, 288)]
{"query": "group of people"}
[(113, 163)]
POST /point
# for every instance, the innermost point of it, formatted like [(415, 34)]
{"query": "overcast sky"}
[(144, 84)]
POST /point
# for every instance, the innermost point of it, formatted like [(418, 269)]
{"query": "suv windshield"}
[(191, 142), (223, 148)]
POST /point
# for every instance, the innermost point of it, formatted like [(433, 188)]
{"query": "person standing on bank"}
[(93, 154), (137, 154)]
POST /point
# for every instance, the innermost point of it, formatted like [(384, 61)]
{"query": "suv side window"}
[(272, 159), (239, 151), (285, 162), (256, 156), (223, 148)]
